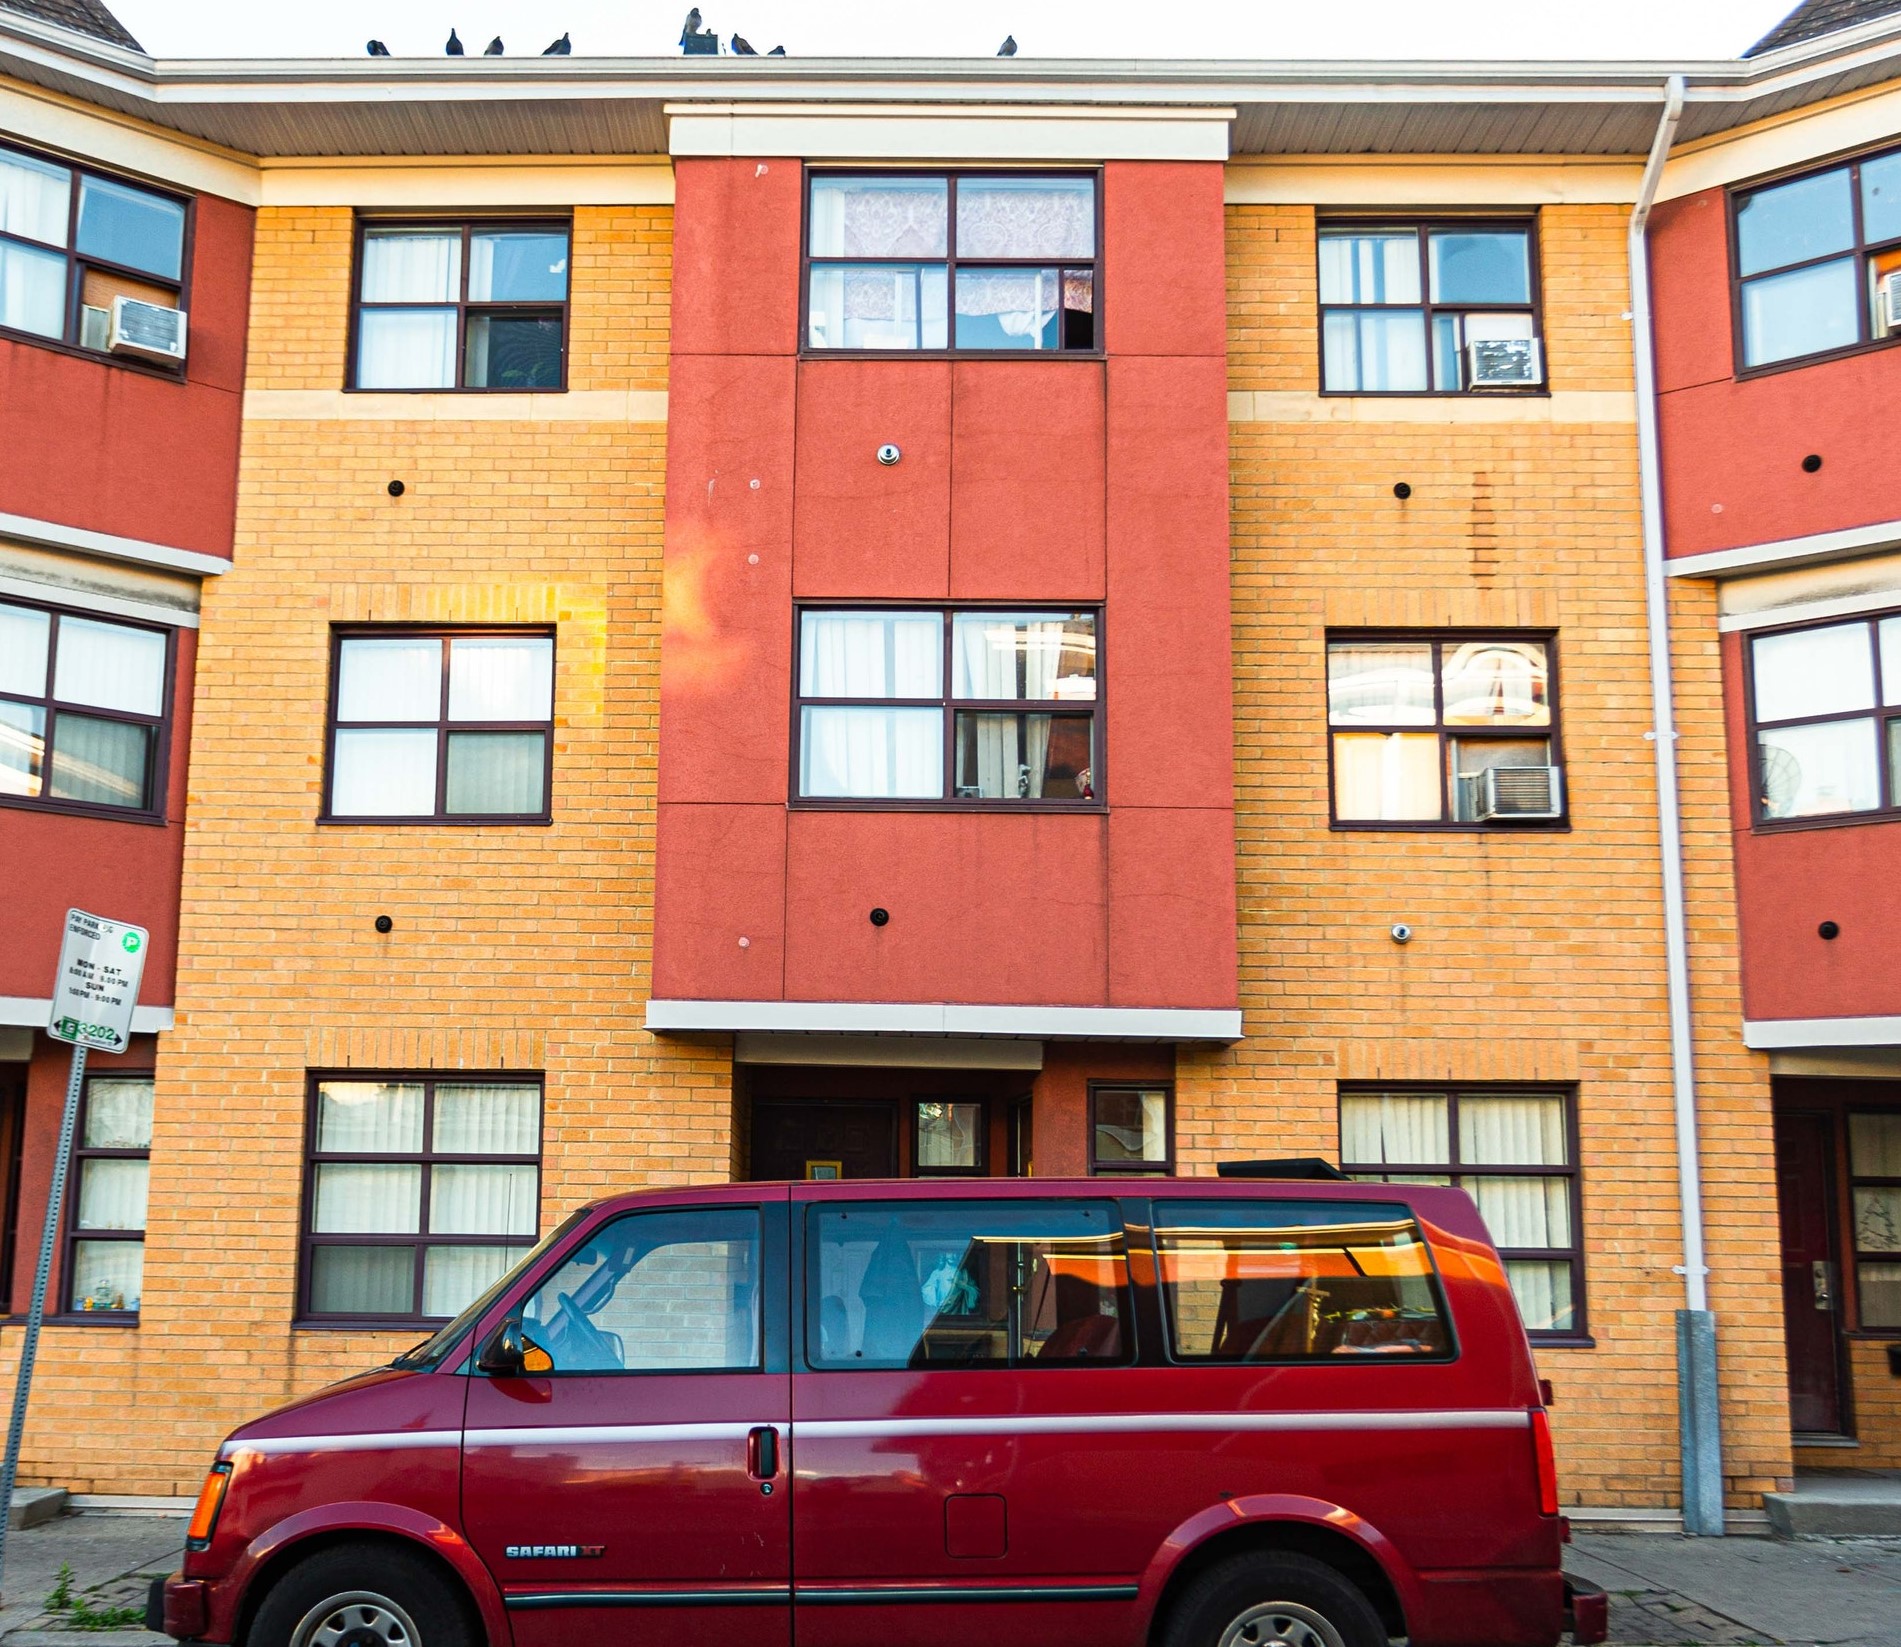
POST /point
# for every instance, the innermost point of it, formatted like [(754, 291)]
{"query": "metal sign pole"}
[(30, 1340)]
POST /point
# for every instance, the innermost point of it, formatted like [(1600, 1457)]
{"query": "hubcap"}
[(356, 1619), (1281, 1624)]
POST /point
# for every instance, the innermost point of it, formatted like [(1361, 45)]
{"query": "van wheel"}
[(1274, 1601), (361, 1595)]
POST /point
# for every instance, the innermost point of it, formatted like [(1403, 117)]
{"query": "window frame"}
[(442, 725), (951, 175), (948, 800), (72, 1234), (1856, 1253), (1859, 251), (468, 227), (78, 262), (1424, 224), (1880, 713), (1127, 1170), (308, 1240), (158, 777), (980, 1169), (1440, 639), (1361, 1172)]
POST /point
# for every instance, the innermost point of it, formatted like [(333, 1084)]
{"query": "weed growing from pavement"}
[(79, 1613)]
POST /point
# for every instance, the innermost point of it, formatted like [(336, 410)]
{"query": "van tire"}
[(402, 1599), (1320, 1599)]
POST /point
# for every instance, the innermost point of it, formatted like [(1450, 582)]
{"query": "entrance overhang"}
[(944, 1018)]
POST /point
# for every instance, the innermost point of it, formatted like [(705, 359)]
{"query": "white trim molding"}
[(940, 1018), (1775, 1034), (34, 1011), (350, 406), (1811, 550), (1568, 406), (52, 534), (59, 594)]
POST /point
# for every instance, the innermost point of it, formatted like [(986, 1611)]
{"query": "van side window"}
[(967, 1284), (1296, 1281), (655, 1292)]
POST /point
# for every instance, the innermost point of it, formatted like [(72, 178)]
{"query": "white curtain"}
[(1386, 775), (118, 1112), (35, 198), (896, 217), (1813, 672), (369, 1118), (107, 1275), (23, 635), (387, 774), (496, 773), (1007, 657), (453, 1277), (1369, 268), (367, 1198), (1023, 217), (1371, 350), (1408, 1128), (1511, 1132), (108, 666), (865, 306), (1523, 1212), (407, 266), (389, 678), (32, 290), (871, 655), (406, 349), (112, 1194), (482, 1200), (99, 761), (1023, 301), (485, 1119), (1543, 1292), (500, 678), (872, 753), (362, 1280)]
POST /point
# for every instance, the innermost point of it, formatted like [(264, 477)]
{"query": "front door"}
[(1811, 1279), (636, 1493), (818, 1138)]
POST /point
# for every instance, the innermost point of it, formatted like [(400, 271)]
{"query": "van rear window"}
[(1251, 1281), (967, 1284)]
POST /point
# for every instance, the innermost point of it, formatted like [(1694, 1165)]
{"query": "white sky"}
[(1641, 29)]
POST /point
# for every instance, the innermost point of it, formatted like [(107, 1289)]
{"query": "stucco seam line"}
[(941, 1018), (1304, 406), (52, 534), (338, 406), (1784, 553), (1810, 611), (1767, 1034), (92, 600), (36, 1011)]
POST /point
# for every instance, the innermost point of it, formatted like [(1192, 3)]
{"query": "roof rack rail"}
[(1309, 1167)]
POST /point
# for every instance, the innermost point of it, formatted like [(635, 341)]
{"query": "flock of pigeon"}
[(694, 41)]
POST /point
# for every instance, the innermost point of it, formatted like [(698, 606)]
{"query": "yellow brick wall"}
[(1536, 956), (514, 947)]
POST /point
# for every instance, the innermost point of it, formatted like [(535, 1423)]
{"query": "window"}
[(1400, 304), (973, 1284), (460, 306), (1296, 1281), (443, 727), (105, 1246), (672, 1292), (1812, 256), (900, 705), (1418, 721), (71, 241), (1874, 1170), (82, 711), (1513, 1153), (1825, 703), (1131, 1131), (420, 1193), (991, 264), (948, 1138)]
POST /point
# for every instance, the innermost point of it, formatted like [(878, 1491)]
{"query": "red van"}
[(1025, 1413)]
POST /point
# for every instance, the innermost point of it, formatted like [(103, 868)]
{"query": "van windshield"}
[(432, 1349)]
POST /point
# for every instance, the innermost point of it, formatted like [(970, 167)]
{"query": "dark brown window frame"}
[(469, 227), (915, 1120), (950, 706), (1881, 714), (1859, 1255), (1099, 1168), (1579, 1332), (72, 1235), (78, 262), (951, 175), (158, 773), (428, 1159), (442, 726), (1439, 639), (1424, 224), (1860, 251)]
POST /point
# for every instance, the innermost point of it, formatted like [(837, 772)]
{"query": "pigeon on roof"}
[(1815, 18), (81, 16), (777, 51), (378, 49), (493, 48), (1009, 46), (742, 47), (453, 47), (561, 48)]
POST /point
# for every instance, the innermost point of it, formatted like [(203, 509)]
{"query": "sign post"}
[(94, 994)]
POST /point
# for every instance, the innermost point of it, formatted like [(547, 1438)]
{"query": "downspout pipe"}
[(1699, 1422)]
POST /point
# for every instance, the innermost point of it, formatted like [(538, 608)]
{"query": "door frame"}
[(13, 1083), (1833, 1166)]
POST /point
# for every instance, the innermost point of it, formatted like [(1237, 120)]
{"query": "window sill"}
[(1833, 820), (1565, 1341), (80, 1318), (98, 357), (952, 354), (460, 392), (326, 822), (1873, 1335), (1523, 826), (1087, 809), (83, 809), (1539, 391)]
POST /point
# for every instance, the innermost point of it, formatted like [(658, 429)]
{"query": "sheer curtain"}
[(23, 637), (482, 1200), (871, 751), (384, 774), (1026, 217), (501, 678), (1008, 657), (35, 197), (406, 349), (403, 266), (368, 1198), (32, 290), (1386, 775), (118, 1112), (1407, 1129), (389, 678), (482, 1119), (452, 1276), (108, 666), (369, 1118), (496, 773), (103, 762), (362, 1280)]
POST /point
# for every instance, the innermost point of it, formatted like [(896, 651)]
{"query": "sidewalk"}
[(111, 1557)]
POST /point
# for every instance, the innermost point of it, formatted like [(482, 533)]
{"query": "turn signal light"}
[(1547, 1462), (210, 1501)]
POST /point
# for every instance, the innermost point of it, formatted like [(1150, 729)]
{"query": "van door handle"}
[(762, 1453)]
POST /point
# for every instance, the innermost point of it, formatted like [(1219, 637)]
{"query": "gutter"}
[(1699, 1423)]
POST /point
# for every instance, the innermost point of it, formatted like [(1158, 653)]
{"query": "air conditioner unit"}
[(149, 330), (1504, 363), (1891, 300), (95, 326), (1508, 792)]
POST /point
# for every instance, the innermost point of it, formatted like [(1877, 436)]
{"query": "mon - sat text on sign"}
[(98, 983)]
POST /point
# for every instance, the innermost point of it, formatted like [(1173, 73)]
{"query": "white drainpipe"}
[(1699, 1424)]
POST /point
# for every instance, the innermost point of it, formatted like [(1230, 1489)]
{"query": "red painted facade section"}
[(1040, 481)]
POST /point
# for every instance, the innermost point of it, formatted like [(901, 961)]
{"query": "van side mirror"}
[(511, 1353)]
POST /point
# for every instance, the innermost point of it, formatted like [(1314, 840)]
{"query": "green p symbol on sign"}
[(131, 942)]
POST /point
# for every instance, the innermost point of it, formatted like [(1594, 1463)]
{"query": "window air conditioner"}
[(1513, 792), (1891, 300), (95, 326), (1504, 363), (149, 330)]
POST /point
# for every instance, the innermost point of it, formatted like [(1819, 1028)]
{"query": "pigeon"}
[(378, 49), (777, 51), (493, 48), (742, 47), (561, 48), (454, 47), (1009, 46), (692, 23)]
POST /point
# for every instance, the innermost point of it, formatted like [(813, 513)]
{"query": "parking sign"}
[(98, 982)]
